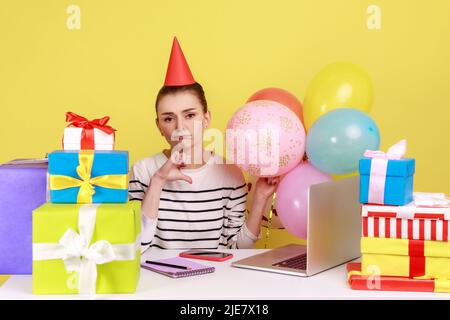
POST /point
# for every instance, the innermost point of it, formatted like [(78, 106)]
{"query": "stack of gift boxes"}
[(404, 244), (77, 231)]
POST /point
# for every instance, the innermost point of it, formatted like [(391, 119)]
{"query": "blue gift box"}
[(398, 189), (22, 189), (107, 164)]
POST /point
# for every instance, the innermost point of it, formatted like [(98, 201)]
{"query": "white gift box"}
[(406, 222), (72, 139)]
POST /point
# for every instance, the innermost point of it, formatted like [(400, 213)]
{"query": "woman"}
[(189, 204)]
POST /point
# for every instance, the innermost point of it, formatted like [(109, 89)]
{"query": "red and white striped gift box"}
[(406, 222)]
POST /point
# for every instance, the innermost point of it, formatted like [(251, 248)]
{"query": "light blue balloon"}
[(338, 139)]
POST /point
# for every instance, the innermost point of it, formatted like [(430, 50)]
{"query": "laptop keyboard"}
[(297, 262)]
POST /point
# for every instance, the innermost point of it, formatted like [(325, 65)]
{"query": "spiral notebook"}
[(195, 268)]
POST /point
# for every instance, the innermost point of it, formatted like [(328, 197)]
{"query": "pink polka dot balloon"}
[(265, 139)]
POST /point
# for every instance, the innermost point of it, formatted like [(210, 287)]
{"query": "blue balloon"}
[(338, 139)]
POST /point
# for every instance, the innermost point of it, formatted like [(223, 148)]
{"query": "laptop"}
[(333, 238)]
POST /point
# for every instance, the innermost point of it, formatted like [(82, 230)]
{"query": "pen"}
[(168, 265)]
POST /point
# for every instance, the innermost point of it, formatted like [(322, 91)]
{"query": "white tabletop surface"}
[(227, 283)]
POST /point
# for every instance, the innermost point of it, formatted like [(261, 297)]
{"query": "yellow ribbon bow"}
[(87, 183)]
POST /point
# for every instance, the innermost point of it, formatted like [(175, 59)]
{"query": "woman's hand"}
[(170, 171), (265, 187)]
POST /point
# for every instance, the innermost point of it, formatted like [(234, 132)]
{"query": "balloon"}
[(266, 138), (281, 96), (292, 197), (338, 139), (337, 85)]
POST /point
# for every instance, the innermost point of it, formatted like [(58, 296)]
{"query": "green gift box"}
[(86, 248)]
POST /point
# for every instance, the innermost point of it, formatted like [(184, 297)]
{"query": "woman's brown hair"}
[(195, 88)]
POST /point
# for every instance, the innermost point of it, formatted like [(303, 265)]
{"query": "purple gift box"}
[(22, 189)]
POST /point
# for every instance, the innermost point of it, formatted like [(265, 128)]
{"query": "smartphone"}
[(206, 255)]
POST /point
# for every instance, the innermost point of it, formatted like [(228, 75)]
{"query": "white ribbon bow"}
[(395, 152), (79, 256), (82, 258), (378, 169)]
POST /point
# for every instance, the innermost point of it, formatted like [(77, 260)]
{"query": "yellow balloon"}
[(340, 84)]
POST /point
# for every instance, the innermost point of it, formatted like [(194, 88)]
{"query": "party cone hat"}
[(178, 72)]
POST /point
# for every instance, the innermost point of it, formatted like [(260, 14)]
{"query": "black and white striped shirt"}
[(207, 214)]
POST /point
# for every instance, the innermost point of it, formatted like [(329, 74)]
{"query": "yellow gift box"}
[(405, 258)]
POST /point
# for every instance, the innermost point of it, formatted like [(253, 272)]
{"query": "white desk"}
[(227, 283)]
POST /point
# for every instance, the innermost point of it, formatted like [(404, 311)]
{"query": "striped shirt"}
[(207, 214)]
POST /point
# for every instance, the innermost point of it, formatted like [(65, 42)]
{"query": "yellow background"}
[(116, 62)]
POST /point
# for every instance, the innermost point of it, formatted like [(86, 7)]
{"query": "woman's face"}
[(180, 117)]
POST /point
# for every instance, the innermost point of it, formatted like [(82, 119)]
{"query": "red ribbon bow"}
[(87, 135)]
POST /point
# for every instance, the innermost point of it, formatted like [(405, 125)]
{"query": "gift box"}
[(406, 258), (88, 176), (84, 134), (22, 189), (406, 222), (73, 138), (386, 178), (358, 281), (90, 248)]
